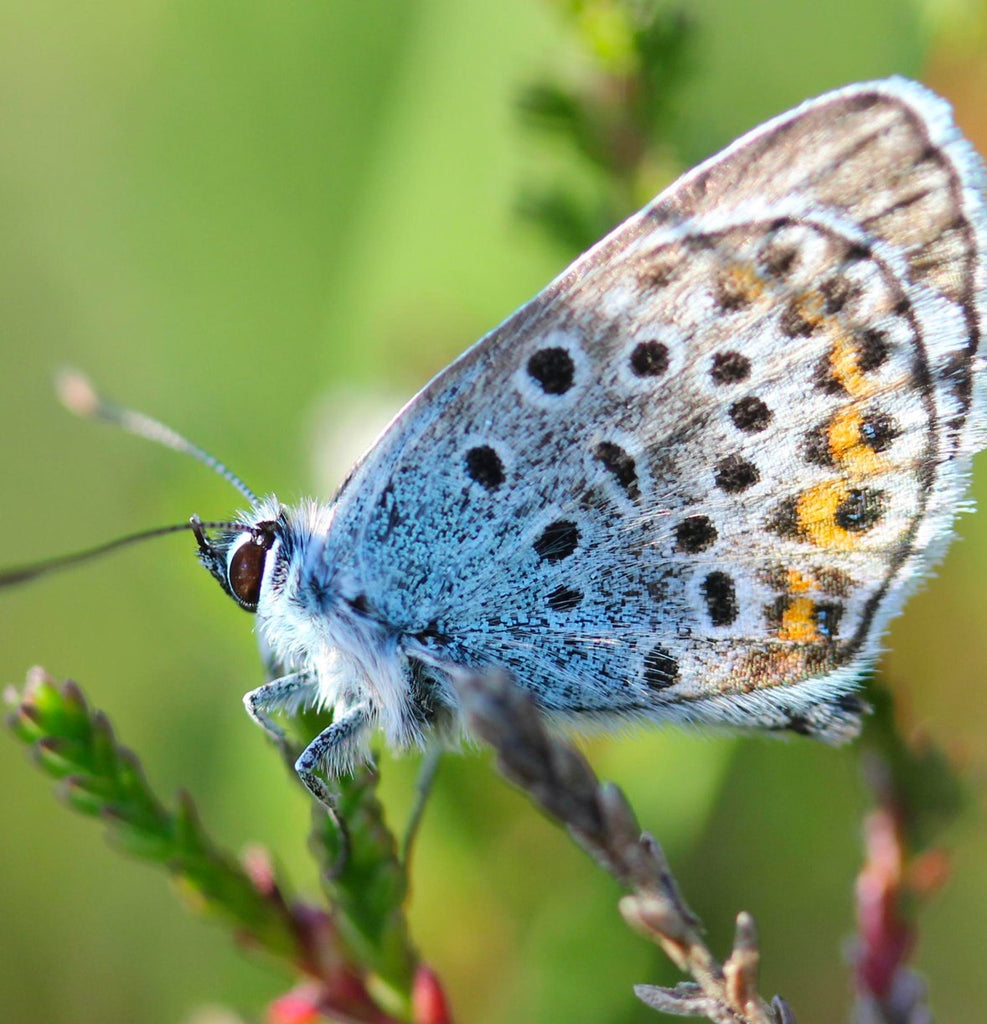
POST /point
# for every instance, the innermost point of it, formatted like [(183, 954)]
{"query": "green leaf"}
[(915, 775), (616, 126), (99, 777), (363, 877)]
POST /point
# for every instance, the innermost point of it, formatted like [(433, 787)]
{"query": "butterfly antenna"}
[(25, 573), (80, 397)]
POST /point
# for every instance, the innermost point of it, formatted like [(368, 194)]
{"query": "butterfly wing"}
[(694, 476)]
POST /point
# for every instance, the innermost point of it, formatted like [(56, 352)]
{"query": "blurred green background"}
[(269, 224)]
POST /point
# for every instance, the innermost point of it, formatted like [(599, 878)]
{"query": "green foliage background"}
[(252, 219)]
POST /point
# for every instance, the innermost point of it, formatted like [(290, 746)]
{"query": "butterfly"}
[(689, 481)]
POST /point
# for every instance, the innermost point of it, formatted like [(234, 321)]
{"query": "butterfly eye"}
[(246, 567)]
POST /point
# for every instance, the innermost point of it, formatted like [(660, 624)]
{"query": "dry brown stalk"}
[(598, 817)]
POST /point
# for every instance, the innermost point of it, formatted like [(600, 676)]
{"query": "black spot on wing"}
[(553, 370)]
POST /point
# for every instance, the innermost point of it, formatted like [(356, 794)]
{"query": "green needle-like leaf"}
[(615, 123), (359, 951), (364, 879), (99, 777)]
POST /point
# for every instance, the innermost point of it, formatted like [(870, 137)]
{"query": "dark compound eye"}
[(247, 566)]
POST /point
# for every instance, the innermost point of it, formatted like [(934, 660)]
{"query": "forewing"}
[(695, 475)]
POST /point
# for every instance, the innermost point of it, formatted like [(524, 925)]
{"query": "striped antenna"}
[(25, 573), (81, 398)]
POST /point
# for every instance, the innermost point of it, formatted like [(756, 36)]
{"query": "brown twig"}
[(560, 781)]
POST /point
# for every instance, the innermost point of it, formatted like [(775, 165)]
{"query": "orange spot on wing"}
[(809, 306), (816, 511), (844, 363), (798, 621), (846, 444), (741, 282), (797, 583)]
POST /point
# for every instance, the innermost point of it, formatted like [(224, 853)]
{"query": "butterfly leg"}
[(331, 749), (289, 691), (423, 788)]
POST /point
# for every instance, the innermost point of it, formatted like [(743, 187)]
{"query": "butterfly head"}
[(271, 561), (243, 558)]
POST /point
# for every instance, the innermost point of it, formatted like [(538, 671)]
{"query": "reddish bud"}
[(428, 1000)]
